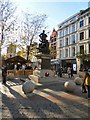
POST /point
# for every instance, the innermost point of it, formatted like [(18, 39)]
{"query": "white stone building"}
[(73, 38)]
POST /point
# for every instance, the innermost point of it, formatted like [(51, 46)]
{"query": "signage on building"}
[(74, 67)]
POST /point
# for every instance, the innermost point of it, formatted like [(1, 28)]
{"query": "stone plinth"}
[(44, 74), (44, 60), (39, 76), (41, 73)]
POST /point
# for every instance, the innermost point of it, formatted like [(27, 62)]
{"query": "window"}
[(89, 20), (74, 18), (73, 28), (60, 43), (82, 23), (61, 33), (73, 51), (89, 48), (54, 47), (51, 40), (81, 35), (54, 39), (60, 53), (66, 51), (67, 22), (82, 49), (89, 33), (66, 41), (67, 31), (73, 39), (54, 43), (54, 57)]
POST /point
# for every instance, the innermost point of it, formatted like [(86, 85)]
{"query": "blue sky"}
[(56, 12)]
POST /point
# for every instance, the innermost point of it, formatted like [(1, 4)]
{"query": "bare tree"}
[(32, 27), (7, 10)]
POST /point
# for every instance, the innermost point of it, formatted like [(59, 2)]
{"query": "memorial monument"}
[(43, 55), (43, 73)]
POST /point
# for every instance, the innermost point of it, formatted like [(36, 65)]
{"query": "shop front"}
[(55, 64), (69, 63)]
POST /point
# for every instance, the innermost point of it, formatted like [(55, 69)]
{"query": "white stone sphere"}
[(10, 76), (28, 87), (78, 81), (69, 86)]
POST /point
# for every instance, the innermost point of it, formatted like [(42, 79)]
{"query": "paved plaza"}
[(47, 101)]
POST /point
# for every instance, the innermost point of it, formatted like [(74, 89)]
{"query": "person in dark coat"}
[(29, 68), (4, 74), (71, 72), (59, 72)]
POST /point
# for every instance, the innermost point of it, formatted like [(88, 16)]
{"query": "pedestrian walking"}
[(87, 82), (59, 72), (69, 72), (4, 74)]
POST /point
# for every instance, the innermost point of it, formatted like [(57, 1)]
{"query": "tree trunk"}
[(28, 49), (2, 28)]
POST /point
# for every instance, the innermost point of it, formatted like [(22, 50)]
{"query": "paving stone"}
[(47, 102)]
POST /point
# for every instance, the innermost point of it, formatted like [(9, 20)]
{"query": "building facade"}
[(74, 39), (53, 42), (53, 50)]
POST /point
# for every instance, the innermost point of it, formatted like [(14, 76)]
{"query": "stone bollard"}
[(78, 81), (69, 86), (28, 87)]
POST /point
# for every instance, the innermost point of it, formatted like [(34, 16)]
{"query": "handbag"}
[(84, 88)]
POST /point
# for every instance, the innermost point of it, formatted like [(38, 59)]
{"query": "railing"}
[(20, 73)]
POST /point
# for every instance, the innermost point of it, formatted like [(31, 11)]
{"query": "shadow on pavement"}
[(60, 87), (35, 106), (13, 108), (74, 105)]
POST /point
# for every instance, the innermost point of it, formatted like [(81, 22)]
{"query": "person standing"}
[(59, 72), (87, 82), (4, 74), (69, 72)]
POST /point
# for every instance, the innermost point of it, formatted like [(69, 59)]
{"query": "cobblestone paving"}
[(50, 102)]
